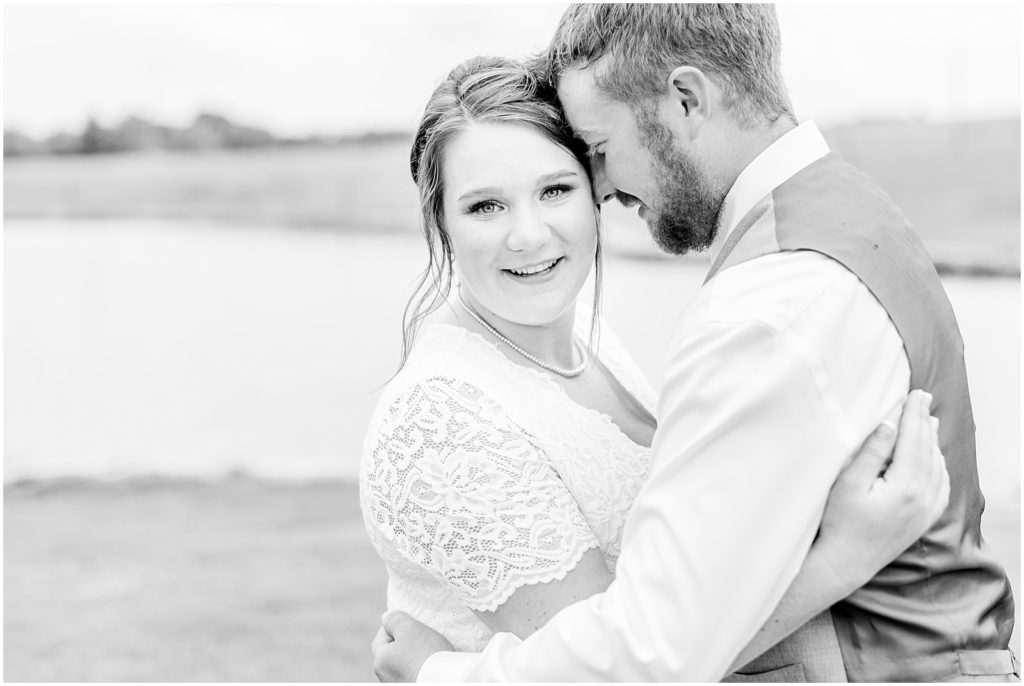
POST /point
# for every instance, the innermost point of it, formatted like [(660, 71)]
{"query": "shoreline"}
[(978, 259), (40, 484)]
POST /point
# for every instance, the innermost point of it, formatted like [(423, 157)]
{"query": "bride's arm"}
[(530, 607), (526, 610), (875, 511)]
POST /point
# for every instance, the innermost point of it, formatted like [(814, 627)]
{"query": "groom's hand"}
[(402, 646)]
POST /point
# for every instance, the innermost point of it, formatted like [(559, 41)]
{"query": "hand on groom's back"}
[(890, 493)]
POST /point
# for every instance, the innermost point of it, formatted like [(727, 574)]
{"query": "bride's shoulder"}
[(440, 347), (442, 356)]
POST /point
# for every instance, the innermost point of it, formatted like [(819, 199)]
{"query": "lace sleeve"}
[(461, 490)]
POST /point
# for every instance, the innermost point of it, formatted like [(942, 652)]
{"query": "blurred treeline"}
[(209, 131)]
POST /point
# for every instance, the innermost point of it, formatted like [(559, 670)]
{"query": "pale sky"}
[(300, 69)]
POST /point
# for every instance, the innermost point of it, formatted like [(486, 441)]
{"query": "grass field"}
[(234, 580)]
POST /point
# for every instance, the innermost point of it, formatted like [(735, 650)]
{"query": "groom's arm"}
[(754, 426)]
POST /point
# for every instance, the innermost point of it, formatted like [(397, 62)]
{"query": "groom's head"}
[(673, 101)]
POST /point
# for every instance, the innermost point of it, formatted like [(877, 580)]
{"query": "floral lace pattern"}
[(479, 476), (462, 491)]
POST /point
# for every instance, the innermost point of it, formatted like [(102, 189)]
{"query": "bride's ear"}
[(689, 93)]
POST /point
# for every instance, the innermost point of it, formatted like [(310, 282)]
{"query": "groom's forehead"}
[(580, 95), (588, 108), (578, 83)]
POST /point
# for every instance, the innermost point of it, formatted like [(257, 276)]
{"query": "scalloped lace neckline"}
[(546, 379)]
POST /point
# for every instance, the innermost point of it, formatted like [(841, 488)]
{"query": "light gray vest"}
[(944, 608)]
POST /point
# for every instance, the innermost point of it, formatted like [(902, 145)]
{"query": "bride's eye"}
[(484, 207), (555, 192)]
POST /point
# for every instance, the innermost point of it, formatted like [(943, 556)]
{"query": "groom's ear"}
[(690, 91)]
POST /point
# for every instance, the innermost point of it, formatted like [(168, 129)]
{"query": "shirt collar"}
[(793, 151)]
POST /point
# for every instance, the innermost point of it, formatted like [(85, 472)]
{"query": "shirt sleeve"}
[(461, 490), (744, 457)]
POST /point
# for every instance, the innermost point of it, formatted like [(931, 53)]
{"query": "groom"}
[(820, 311)]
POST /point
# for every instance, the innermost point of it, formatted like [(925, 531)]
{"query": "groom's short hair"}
[(736, 45)]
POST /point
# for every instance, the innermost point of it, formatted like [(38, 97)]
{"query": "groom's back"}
[(944, 608)]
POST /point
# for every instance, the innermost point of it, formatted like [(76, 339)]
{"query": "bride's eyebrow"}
[(489, 190), (555, 176), (494, 190)]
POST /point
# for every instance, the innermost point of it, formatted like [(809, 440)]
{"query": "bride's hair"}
[(481, 89)]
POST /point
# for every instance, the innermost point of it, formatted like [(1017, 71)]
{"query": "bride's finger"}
[(942, 488), (942, 502), (865, 465), (913, 445), (939, 459), (396, 621), (934, 474), (380, 640), (929, 466)]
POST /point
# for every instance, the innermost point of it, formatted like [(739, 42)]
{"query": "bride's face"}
[(519, 211)]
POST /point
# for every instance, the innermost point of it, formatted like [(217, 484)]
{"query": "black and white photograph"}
[(529, 342)]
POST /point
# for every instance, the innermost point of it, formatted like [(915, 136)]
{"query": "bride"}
[(502, 460)]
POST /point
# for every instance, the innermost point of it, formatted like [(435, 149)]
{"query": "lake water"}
[(136, 347)]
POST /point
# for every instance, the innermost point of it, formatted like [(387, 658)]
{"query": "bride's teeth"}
[(534, 270)]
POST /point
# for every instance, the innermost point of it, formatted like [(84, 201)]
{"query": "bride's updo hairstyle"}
[(481, 89)]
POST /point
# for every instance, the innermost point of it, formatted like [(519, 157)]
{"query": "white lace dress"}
[(479, 476)]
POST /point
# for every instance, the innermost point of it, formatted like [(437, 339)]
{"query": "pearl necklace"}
[(568, 373)]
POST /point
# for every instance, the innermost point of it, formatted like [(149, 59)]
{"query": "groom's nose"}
[(603, 188)]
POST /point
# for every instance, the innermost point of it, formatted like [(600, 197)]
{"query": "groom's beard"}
[(687, 204)]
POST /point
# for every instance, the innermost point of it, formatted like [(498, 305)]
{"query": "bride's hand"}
[(875, 511), (878, 509), (402, 645)]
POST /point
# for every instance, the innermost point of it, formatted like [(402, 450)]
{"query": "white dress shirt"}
[(775, 375)]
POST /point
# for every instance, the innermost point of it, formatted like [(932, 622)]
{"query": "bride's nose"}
[(528, 230)]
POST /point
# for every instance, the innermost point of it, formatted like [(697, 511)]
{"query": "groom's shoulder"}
[(778, 290)]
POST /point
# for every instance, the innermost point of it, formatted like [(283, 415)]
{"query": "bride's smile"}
[(535, 270)]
